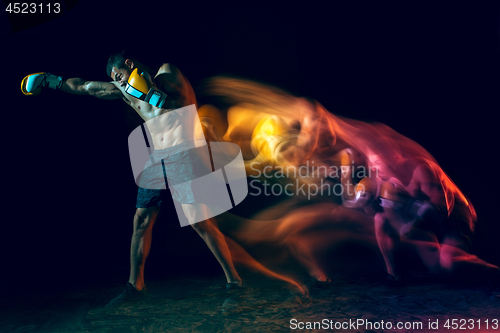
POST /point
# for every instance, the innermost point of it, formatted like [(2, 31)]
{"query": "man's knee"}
[(380, 222), (144, 219), (201, 227), (206, 229), (451, 251), (195, 212), (446, 259), (384, 231)]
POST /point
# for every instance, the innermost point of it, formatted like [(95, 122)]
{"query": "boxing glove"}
[(139, 87), (33, 83), (365, 192)]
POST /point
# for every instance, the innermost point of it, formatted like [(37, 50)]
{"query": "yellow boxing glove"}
[(140, 88)]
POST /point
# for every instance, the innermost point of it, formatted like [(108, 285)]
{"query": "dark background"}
[(429, 70)]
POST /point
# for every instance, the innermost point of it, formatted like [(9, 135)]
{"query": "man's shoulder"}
[(167, 68), (425, 172)]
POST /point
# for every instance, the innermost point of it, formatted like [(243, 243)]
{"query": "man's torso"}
[(168, 128)]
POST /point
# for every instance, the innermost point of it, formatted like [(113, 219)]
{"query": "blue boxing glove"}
[(33, 83)]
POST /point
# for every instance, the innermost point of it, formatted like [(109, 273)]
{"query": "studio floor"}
[(192, 304)]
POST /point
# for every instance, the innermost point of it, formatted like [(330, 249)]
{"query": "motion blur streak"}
[(277, 130)]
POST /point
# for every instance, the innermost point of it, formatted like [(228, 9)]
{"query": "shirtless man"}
[(426, 210), (168, 133), (420, 207)]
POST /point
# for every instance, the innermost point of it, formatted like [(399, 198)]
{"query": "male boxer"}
[(151, 98), (427, 211)]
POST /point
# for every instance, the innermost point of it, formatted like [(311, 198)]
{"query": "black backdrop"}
[(430, 70)]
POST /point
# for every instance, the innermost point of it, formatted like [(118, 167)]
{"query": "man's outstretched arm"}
[(102, 90), (33, 84)]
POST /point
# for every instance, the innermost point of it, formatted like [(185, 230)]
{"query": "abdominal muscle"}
[(170, 128), (169, 138)]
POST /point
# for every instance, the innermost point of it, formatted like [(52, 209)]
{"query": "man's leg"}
[(427, 246), (214, 239), (386, 241), (454, 258), (144, 220), (140, 245)]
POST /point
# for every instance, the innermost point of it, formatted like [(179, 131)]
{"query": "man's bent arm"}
[(102, 90), (171, 81)]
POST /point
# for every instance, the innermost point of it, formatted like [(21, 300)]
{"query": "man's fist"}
[(33, 83)]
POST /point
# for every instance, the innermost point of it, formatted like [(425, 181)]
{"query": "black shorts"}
[(176, 168)]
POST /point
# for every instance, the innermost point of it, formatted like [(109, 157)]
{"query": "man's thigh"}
[(196, 212)]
